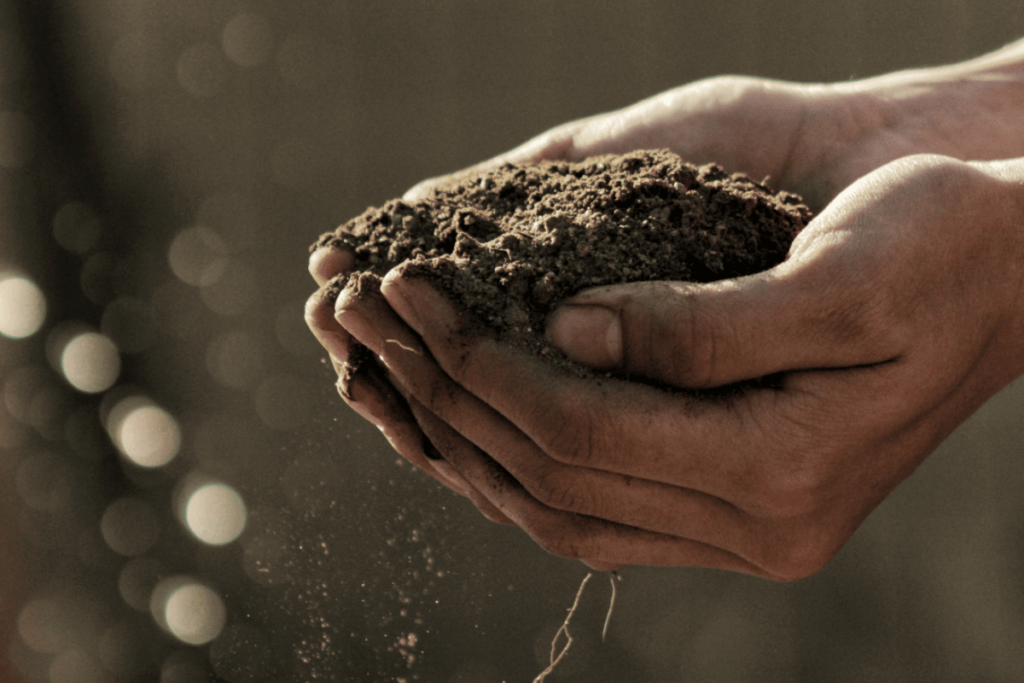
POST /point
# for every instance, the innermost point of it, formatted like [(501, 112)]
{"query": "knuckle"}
[(572, 442), (553, 490), (440, 395), (558, 538), (696, 340), (319, 312), (695, 365), (801, 551)]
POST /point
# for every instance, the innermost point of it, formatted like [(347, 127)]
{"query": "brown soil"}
[(510, 244)]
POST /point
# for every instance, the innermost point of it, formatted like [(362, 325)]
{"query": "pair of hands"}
[(893, 318)]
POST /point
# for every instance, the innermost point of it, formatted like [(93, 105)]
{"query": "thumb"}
[(793, 317)]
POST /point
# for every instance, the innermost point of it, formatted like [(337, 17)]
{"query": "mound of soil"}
[(510, 244)]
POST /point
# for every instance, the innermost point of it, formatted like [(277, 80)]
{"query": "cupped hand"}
[(814, 140), (893, 318), (366, 386), (810, 139)]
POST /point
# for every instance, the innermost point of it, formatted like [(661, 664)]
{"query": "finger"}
[(589, 491), (356, 309), (653, 123), (320, 319), (595, 422), (446, 441), (366, 389), (737, 474), (552, 145), (748, 449), (806, 313), (599, 543), (571, 141), (329, 261)]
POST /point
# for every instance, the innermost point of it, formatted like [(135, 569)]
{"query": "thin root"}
[(555, 659), (556, 654), (402, 346), (611, 605)]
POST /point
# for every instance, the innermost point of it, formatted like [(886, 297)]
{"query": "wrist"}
[(969, 111), (1006, 204)]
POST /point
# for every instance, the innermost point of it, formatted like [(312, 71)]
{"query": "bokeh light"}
[(91, 362), (42, 625), (130, 526), (76, 227), (58, 622), (185, 666), (137, 579), (191, 611), (233, 216), (247, 39), (234, 292), (235, 359), (197, 256), (146, 434), (97, 277), (22, 307), (215, 513), (20, 387)]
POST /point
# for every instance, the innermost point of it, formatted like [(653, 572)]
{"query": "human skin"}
[(893, 318)]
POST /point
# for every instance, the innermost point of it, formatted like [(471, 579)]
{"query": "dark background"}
[(267, 122)]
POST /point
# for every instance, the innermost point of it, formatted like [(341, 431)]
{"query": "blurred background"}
[(184, 496)]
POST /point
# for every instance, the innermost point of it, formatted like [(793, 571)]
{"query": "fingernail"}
[(335, 343), (360, 328), (589, 335), (326, 262), (430, 450), (391, 288)]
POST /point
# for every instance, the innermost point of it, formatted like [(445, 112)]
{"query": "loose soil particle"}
[(510, 244)]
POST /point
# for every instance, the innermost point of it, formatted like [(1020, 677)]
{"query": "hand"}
[(893, 318), (368, 388), (766, 128), (810, 139)]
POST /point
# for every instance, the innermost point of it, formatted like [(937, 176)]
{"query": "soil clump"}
[(510, 244)]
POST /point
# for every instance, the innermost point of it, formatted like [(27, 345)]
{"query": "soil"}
[(510, 244)]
